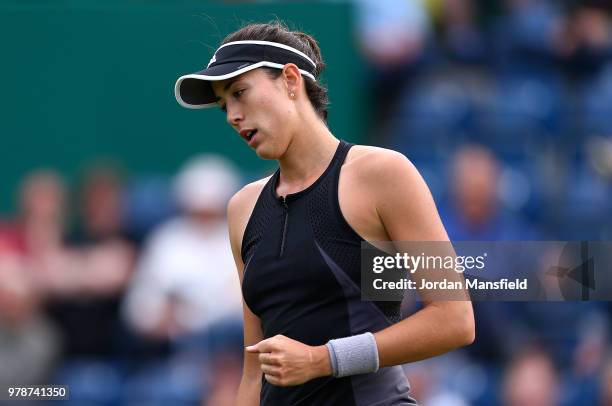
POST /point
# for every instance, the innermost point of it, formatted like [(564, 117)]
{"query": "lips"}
[(248, 134)]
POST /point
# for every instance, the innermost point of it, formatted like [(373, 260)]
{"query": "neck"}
[(310, 151)]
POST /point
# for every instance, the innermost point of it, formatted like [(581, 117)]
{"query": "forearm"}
[(432, 331), (438, 328), (249, 391)]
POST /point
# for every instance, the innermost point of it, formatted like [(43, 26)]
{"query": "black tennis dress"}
[(302, 279)]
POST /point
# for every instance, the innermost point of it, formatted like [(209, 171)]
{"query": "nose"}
[(234, 114)]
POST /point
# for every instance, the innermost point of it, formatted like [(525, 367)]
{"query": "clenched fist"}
[(287, 362)]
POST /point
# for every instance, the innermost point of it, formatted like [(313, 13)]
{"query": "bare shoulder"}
[(378, 165), (240, 208), (370, 178), (246, 197), (400, 197)]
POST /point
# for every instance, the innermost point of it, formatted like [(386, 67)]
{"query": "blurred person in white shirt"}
[(185, 278)]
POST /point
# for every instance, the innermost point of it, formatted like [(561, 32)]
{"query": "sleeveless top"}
[(302, 279)]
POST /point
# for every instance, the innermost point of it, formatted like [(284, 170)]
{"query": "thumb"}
[(262, 346), (252, 348), (255, 347)]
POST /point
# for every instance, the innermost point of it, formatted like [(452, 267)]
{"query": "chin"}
[(267, 151), (264, 153)]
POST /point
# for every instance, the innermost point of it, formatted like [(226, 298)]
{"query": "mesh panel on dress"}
[(260, 219), (342, 246)]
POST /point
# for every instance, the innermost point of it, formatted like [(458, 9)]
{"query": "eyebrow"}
[(227, 86)]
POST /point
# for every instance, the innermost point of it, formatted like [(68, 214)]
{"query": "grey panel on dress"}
[(389, 386)]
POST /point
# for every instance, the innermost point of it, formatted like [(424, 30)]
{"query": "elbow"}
[(463, 328), (458, 319), (467, 329), (469, 334)]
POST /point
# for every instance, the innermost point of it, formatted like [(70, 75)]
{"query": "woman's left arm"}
[(407, 211)]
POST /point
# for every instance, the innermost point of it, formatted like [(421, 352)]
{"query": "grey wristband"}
[(353, 355)]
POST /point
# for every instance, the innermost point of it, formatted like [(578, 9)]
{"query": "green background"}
[(83, 80)]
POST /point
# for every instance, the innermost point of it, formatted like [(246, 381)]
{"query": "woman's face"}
[(259, 109)]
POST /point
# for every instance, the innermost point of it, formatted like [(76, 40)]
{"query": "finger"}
[(256, 347), (273, 379), (251, 348), (268, 358), (271, 370), (267, 345)]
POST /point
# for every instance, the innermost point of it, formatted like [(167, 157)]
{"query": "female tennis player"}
[(296, 235)]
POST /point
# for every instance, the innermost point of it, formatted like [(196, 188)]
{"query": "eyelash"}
[(236, 94)]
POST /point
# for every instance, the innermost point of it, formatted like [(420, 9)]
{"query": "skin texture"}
[(382, 196)]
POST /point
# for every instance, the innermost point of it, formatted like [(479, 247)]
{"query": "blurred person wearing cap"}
[(185, 292), (296, 236), (184, 280)]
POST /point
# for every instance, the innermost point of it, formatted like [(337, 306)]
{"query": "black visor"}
[(194, 91)]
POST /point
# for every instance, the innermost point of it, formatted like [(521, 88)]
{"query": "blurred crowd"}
[(145, 311), (531, 80), (506, 109), (123, 287)]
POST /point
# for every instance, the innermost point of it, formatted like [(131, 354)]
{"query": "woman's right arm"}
[(250, 384), (239, 210)]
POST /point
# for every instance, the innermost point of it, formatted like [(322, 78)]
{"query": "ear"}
[(292, 78)]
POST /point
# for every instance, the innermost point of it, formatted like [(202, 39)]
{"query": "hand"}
[(287, 362)]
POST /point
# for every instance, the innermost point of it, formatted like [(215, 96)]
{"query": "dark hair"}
[(278, 32)]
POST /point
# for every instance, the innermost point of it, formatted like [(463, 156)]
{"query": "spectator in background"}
[(30, 251), (37, 235), (462, 38), (185, 289), (475, 178), (605, 384), (432, 380), (585, 39), (46, 273), (41, 221), (528, 37), (29, 342), (185, 280), (474, 213), (86, 305), (531, 380), (394, 33), (100, 202), (393, 36), (40, 233)]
